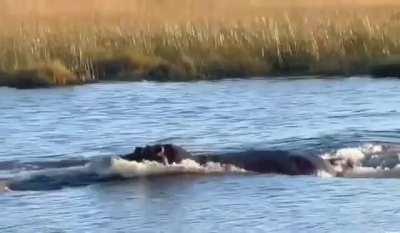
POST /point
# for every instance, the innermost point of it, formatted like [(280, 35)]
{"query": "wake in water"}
[(108, 169), (367, 161), (130, 169)]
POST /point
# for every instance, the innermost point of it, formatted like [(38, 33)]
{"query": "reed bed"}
[(50, 43)]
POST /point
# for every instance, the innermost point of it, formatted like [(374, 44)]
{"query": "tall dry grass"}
[(195, 39)]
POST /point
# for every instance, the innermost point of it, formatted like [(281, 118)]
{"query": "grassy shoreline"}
[(263, 38)]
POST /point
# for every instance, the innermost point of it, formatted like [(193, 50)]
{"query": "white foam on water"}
[(324, 174), (371, 148), (368, 161), (130, 169), (4, 188), (370, 172)]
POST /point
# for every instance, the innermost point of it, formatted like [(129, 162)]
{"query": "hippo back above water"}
[(276, 161), (262, 161)]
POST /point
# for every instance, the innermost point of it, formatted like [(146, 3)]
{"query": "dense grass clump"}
[(44, 75), (136, 66), (154, 40)]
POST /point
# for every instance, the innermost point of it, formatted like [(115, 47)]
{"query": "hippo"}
[(274, 161), (261, 161), (162, 153)]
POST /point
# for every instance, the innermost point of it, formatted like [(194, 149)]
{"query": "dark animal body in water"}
[(60, 174), (280, 162), (165, 153)]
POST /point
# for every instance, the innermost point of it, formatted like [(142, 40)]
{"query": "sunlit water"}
[(306, 116)]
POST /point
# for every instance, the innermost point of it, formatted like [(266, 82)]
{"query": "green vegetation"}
[(301, 39)]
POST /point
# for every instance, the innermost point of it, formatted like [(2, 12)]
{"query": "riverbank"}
[(197, 42)]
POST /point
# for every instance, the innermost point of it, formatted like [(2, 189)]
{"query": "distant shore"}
[(42, 49)]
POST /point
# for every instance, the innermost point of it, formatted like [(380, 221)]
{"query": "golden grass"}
[(43, 75), (198, 39)]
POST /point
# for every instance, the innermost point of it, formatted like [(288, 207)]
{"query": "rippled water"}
[(312, 116)]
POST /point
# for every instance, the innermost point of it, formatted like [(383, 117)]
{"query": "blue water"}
[(304, 115)]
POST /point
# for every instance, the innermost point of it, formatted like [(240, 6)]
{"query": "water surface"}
[(44, 126)]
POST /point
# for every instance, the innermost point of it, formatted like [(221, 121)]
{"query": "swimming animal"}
[(260, 161)]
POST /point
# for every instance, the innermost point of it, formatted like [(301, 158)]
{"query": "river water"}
[(52, 131)]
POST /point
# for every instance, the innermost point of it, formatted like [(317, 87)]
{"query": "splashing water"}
[(367, 161), (133, 169)]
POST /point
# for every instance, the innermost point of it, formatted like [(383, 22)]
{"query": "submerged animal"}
[(261, 161), (162, 153), (278, 162)]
